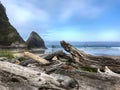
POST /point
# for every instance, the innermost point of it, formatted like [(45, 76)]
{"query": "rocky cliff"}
[(8, 34), (35, 41)]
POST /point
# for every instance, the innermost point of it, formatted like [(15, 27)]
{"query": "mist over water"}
[(94, 48)]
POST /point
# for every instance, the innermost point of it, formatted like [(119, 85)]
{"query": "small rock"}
[(66, 81), (3, 58)]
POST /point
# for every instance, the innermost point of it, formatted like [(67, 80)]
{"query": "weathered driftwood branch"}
[(53, 68), (36, 57), (15, 73), (87, 60), (30, 77), (109, 72), (49, 56), (58, 54), (107, 80)]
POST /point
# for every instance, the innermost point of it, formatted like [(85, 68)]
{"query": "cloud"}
[(50, 11), (81, 9), (50, 17), (22, 13)]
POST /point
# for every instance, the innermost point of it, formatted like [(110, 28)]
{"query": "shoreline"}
[(109, 52)]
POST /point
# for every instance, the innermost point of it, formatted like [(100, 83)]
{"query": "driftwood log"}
[(32, 77), (50, 56), (87, 60), (36, 58), (34, 80)]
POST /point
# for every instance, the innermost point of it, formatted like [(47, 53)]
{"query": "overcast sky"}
[(70, 20)]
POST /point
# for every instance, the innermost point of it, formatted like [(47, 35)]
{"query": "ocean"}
[(94, 48)]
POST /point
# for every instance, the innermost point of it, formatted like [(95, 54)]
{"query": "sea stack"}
[(35, 41), (8, 34)]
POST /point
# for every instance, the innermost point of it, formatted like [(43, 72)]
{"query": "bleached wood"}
[(36, 58), (109, 72), (33, 78)]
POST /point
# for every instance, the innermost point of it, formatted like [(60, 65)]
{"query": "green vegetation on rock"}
[(90, 69), (22, 59)]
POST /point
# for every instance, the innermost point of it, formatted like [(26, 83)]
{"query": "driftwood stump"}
[(87, 60)]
